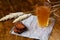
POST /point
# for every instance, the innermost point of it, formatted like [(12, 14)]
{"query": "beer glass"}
[(43, 12)]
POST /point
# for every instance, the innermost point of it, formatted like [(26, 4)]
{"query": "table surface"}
[(8, 6)]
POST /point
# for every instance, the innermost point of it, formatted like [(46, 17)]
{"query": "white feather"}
[(21, 17), (11, 15)]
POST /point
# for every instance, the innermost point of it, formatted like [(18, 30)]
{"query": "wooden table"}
[(8, 6)]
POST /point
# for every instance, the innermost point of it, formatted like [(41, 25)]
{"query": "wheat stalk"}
[(22, 17), (11, 15)]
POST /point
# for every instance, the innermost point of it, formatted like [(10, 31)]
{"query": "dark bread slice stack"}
[(20, 28)]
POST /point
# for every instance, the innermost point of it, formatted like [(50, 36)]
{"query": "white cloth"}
[(34, 31)]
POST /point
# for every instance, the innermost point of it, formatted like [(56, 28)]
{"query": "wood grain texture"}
[(8, 6)]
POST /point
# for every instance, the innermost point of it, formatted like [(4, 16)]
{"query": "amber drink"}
[(43, 13)]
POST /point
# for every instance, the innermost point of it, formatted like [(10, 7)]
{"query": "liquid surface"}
[(43, 13)]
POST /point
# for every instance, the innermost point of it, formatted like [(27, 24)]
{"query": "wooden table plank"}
[(8, 6)]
